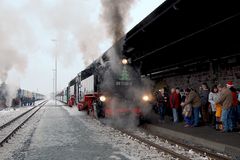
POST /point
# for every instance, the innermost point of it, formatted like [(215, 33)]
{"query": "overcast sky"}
[(32, 32)]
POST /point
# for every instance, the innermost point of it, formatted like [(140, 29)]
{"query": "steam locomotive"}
[(109, 87)]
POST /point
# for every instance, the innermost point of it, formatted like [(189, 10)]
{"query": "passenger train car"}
[(20, 97)]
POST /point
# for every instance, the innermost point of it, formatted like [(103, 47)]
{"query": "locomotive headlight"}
[(124, 61), (145, 98), (103, 98)]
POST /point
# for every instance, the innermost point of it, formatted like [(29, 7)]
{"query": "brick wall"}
[(194, 80)]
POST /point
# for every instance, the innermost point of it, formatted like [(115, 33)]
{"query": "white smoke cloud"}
[(28, 26), (69, 19), (13, 33)]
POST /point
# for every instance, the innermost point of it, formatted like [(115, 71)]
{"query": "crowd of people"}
[(218, 107)]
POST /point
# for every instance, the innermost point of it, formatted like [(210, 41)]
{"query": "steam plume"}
[(72, 24), (10, 59), (11, 56), (115, 15)]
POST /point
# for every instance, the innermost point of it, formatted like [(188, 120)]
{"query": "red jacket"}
[(235, 99), (175, 100)]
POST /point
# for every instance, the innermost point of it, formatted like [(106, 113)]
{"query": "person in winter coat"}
[(219, 124), (168, 110), (195, 101), (233, 110), (212, 99), (161, 105), (238, 108), (174, 104), (204, 93), (187, 111), (225, 100), (179, 109)]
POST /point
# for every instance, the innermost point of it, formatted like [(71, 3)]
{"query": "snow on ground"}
[(18, 145), (52, 103), (10, 113), (127, 146), (131, 148), (8, 129), (174, 147)]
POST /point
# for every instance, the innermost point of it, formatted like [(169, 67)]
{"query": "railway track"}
[(209, 153), (8, 129), (159, 148), (183, 155)]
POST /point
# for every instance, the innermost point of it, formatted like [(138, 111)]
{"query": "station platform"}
[(203, 136)]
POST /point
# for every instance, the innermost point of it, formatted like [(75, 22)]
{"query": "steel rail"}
[(9, 135), (200, 150), (16, 118), (158, 147)]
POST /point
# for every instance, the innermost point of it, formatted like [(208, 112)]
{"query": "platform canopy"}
[(184, 32)]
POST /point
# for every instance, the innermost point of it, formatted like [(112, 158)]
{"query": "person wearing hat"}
[(233, 110), (225, 100)]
